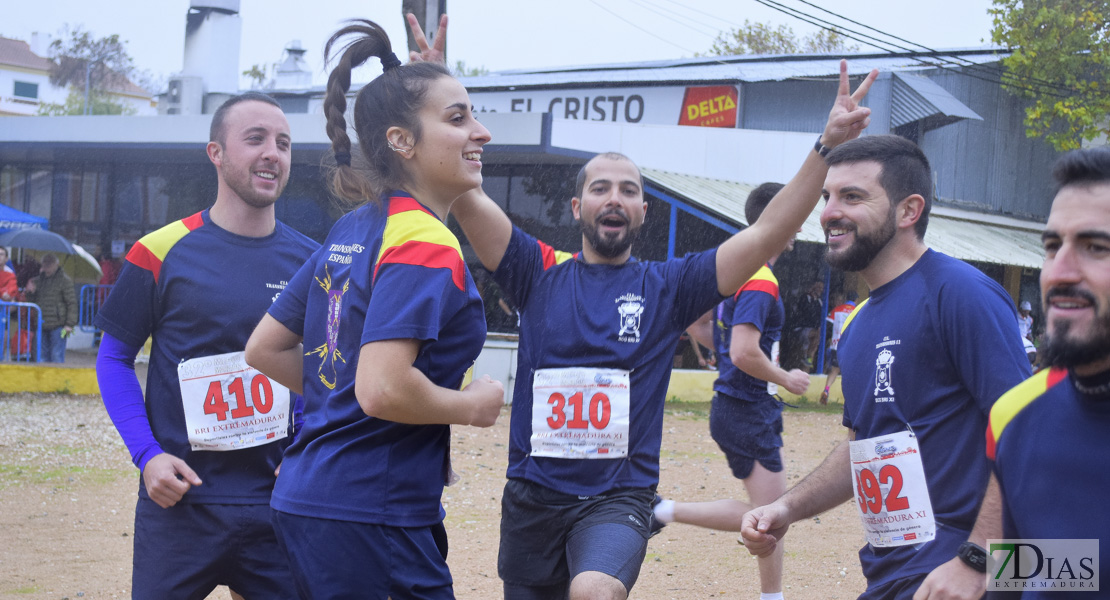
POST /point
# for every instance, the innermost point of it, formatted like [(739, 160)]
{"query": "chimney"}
[(212, 36), (40, 43), (293, 72)]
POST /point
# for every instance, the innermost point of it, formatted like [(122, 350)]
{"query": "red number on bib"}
[(871, 495), (578, 422), (893, 500), (558, 411), (869, 489), (262, 393), (242, 407), (599, 411), (214, 403)]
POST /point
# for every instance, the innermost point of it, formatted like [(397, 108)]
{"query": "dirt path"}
[(67, 492)]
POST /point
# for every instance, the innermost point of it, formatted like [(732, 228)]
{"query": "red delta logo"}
[(713, 106)]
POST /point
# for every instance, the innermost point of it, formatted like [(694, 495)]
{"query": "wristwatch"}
[(973, 556), (820, 148)]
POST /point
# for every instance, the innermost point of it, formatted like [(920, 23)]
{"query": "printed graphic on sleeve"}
[(414, 236), (149, 252)]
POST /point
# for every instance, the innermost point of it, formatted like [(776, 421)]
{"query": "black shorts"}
[(747, 432), (547, 537), (833, 362)]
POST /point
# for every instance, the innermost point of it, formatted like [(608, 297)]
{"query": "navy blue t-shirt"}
[(1049, 443), (932, 350), (627, 317), (759, 304), (388, 271), (198, 290)]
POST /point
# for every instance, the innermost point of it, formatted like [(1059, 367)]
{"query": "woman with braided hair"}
[(390, 321)]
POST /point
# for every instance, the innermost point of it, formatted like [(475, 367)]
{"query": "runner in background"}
[(837, 317)]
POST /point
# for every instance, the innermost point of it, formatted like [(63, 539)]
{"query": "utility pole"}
[(427, 14)]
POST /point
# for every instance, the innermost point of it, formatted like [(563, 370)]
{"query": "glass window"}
[(41, 184), (11, 187), (27, 90)]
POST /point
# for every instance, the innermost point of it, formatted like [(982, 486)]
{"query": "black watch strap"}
[(973, 556), (820, 148)]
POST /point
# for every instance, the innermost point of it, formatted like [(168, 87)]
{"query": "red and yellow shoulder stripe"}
[(1014, 401), (552, 257), (149, 252), (764, 280), (853, 314), (415, 236)]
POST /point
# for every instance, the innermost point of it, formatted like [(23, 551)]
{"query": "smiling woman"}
[(391, 320)]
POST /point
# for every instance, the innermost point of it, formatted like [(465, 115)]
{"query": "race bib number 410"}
[(229, 405), (891, 495), (580, 412)]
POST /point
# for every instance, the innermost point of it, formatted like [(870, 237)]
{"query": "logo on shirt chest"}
[(884, 370), (329, 351), (630, 308)]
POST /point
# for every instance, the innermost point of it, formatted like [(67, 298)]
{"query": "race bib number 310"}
[(891, 495), (230, 405), (580, 412)]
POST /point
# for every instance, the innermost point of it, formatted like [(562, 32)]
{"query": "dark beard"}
[(608, 247), (859, 255), (1059, 350)]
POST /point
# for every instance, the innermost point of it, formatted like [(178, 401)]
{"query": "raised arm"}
[(740, 256), (486, 226)]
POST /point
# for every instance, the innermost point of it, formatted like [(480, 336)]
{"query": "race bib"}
[(891, 495), (580, 412), (229, 405), (772, 387)]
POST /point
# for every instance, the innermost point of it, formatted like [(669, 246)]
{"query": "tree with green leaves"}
[(92, 68), (763, 38), (1061, 61)]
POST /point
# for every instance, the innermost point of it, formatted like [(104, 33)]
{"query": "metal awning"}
[(961, 234), (917, 98)]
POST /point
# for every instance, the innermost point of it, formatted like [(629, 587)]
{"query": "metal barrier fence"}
[(22, 331), (90, 300)]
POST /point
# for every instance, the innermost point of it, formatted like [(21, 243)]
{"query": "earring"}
[(394, 148)]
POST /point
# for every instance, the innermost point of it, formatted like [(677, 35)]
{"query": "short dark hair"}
[(758, 200), (1079, 167), (580, 180), (904, 169), (216, 131)]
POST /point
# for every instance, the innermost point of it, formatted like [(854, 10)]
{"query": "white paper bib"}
[(580, 412), (891, 495), (229, 405)]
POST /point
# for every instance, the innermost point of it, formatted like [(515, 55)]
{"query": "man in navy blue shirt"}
[(923, 360), (597, 335)]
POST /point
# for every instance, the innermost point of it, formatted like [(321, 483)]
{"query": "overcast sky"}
[(495, 34)]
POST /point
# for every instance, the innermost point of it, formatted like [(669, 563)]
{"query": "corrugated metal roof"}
[(730, 68), (960, 238), (916, 98)]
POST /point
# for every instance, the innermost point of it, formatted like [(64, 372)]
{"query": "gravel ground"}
[(67, 489)]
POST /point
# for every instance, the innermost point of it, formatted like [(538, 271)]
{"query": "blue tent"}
[(11, 218)]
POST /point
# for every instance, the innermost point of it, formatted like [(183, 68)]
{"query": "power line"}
[(856, 36)]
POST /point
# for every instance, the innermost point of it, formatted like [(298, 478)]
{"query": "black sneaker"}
[(655, 525)]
